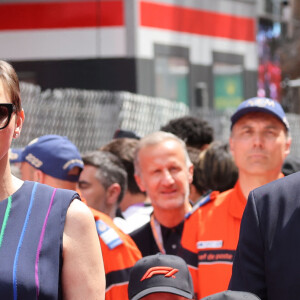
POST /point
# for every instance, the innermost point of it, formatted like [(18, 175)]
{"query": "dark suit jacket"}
[(267, 260)]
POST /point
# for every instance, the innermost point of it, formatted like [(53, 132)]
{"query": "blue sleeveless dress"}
[(32, 223)]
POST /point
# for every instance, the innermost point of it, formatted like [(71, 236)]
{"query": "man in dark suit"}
[(267, 258)]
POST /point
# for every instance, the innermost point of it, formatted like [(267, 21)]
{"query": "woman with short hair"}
[(49, 247)]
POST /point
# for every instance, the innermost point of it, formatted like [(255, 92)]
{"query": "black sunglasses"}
[(6, 110)]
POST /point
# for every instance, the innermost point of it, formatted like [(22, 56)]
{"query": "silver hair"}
[(156, 138)]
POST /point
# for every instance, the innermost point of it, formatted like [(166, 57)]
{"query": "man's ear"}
[(231, 146), (113, 193), (193, 193), (288, 146), (139, 182), (20, 117), (38, 176), (191, 173)]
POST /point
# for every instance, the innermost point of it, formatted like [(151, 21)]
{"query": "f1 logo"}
[(167, 271)]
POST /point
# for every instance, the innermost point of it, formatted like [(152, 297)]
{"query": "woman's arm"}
[(83, 275)]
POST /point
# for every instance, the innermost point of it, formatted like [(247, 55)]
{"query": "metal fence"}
[(90, 118)]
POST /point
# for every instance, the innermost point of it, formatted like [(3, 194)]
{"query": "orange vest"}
[(188, 250), (219, 232), (119, 255), (219, 224)]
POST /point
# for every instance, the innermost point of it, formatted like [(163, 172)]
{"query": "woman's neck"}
[(9, 183)]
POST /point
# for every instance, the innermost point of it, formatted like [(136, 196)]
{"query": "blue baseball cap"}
[(15, 155), (54, 155), (259, 104)]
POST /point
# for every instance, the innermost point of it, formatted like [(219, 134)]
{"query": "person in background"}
[(53, 160), (163, 277), (135, 208), (291, 165), (48, 238), (122, 133), (120, 254), (193, 131), (103, 181), (259, 143), (63, 167), (164, 171), (218, 169), (214, 172), (197, 188), (15, 161)]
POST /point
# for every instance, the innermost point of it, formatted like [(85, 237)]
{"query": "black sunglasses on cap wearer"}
[(6, 110)]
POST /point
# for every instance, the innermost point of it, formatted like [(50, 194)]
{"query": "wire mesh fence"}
[(90, 118)]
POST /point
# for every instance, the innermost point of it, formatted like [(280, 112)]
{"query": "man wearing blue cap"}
[(52, 159), (259, 143), (56, 161)]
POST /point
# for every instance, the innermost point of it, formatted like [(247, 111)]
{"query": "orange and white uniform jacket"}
[(219, 232), (119, 255), (220, 221)]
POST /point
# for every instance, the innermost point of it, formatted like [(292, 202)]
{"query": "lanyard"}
[(156, 230)]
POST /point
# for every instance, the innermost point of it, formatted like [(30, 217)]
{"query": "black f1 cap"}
[(160, 273)]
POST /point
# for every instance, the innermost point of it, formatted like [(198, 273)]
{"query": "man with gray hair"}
[(164, 171), (103, 181)]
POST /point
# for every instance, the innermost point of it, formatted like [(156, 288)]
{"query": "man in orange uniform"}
[(259, 143), (119, 255)]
